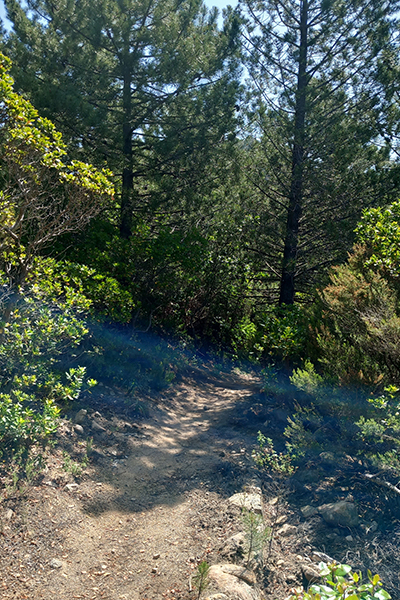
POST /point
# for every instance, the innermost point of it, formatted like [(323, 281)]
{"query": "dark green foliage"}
[(95, 293), (41, 198), (360, 331), (316, 105), (340, 582), (158, 124), (35, 337)]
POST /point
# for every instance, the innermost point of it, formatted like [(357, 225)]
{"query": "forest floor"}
[(153, 501)]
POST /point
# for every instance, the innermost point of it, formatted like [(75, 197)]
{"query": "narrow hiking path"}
[(153, 501), (151, 505)]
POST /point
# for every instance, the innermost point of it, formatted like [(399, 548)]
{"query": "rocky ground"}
[(155, 500)]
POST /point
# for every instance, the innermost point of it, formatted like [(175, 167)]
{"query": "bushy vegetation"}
[(340, 583), (37, 340), (223, 215), (41, 198)]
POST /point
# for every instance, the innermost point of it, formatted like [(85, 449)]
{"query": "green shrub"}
[(325, 414), (201, 579), (256, 535), (267, 458), (83, 287), (379, 232), (380, 430), (307, 379), (359, 336), (284, 332), (22, 425), (340, 583), (280, 333), (36, 339)]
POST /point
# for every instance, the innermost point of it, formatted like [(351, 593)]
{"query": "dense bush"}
[(340, 583), (36, 339), (280, 333), (42, 196), (359, 331), (97, 294)]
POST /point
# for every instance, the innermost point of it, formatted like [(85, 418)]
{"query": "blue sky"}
[(219, 3)]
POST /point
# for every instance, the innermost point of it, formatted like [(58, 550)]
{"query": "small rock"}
[(287, 530), (308, 511), (55, 563), (234, 547), (97, 427), (280, 562), (8, 514), (79, 429), (324, 557), (155, 556), (96, 415), (343, 514), (251, 502), (310, 573), (253, 488), (50, 483), (80, 416), (291, 579), (328, 457), (71, 486), (154, 570), (281, 519), (349, 538), (373, 527)]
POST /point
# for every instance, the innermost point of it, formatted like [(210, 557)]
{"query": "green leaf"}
[(375, 579), (382, 595)]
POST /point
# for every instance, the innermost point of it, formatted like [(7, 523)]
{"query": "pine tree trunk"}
[(287, 289), (127, 173)]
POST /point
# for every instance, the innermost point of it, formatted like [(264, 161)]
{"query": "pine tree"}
[(146, 86), (314, 66)]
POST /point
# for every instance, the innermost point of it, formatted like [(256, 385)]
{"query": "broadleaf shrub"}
[(267, 458), (35, 340), (341, 583), (83, 287)]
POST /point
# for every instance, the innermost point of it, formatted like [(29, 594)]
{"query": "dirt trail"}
[(150, 508)]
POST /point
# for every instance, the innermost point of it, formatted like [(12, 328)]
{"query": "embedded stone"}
[(287, 530), (343, 514), (308, 511), (232, 581), (310, 573), (252, 502), (80, 416), (55, 563)]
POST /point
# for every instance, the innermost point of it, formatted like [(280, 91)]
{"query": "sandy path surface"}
[(153, 505)]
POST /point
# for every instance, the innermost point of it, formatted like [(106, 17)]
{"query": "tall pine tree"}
[(314, 66), (147, 86)]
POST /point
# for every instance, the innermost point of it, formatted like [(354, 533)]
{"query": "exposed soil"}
[(153, 502)]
